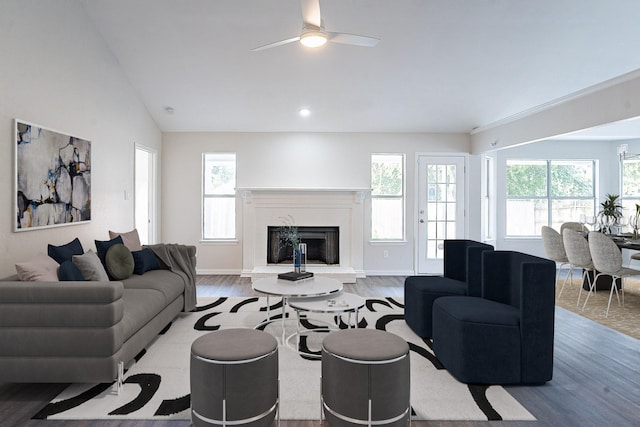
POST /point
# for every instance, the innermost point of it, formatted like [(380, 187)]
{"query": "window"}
[(630, 193), (547, 192), (387, 197), (219, 196), (488, 195)]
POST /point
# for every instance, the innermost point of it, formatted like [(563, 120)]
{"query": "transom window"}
[(547, 192), (219, 196)]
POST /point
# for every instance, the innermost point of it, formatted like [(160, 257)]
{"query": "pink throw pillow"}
[(42, 268), (131, 239)]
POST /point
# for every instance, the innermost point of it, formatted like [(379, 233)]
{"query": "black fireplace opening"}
[(323, 245)]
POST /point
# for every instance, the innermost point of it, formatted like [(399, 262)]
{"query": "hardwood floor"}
[(596, 378)]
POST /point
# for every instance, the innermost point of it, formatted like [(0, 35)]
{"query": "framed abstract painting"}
[(53, 178)]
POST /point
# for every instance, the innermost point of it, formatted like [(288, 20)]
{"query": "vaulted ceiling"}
[(440, 65)]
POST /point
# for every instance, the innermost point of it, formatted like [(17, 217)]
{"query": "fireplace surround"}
[(323, 208), (323, 245)]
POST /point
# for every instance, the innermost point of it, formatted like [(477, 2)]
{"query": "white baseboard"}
[(390, 273), (217, 272)]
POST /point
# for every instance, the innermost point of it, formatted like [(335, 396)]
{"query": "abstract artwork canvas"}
[(53, 178)]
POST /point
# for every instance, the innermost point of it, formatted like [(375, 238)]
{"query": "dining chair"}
[(607, 260), (573, 226), (579, 255), (554, 248)]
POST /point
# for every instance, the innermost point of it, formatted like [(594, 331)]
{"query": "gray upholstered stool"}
[(365, 378), (234, 378)]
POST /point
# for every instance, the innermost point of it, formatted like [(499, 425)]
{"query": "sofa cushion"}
[(68, 271), (41, 268), (140, 306), (102, 246), (168, 283), (145, 260), (65, 252), (119, 262), (479, 310), (130, 239), (90, 266)]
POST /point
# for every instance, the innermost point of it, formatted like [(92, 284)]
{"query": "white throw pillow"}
[(90, 266), (42, 268)]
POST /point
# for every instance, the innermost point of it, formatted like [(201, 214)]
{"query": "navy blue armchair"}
[(505, 336), (462, 262)]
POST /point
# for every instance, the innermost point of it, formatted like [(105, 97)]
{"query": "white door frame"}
[(416, 213), (153, 192)]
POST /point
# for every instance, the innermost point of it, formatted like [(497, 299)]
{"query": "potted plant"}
[(288, 234), (611, 211)]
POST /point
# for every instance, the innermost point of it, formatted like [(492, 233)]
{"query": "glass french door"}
[(441, 190)]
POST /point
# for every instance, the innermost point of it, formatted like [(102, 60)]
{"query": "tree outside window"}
[(547, 192), (630, 192), (219, 196), (387, 196)]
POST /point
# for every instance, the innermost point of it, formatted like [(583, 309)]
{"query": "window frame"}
[(402, 197), (628, 201), (223, 195), (549, 197)]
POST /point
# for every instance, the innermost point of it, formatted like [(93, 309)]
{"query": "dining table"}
[(622, 241)]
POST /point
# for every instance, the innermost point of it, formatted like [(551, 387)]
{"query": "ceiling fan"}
[(314, 35)]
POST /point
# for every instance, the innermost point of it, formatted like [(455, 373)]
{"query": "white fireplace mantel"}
[(249, 192), (332, 207)]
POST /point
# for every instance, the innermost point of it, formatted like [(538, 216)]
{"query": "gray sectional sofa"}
[(81, 331)]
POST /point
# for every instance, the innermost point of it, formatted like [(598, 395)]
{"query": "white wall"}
[(608, 179), (293, 160), (57, 72)]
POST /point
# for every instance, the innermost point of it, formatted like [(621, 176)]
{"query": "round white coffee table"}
[(333, 304), (313, 287)]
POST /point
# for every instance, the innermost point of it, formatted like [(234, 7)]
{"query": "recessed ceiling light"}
[(304, 112), (169, 110)]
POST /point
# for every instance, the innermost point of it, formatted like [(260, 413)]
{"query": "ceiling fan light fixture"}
[(313, 38)]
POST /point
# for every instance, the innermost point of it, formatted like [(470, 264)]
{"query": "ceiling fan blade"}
[(353, 39), (276, 44), (311, 13)]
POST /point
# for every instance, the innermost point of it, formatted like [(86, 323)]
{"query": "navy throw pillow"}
[(65, 252), (102, 246), (145, 260), (68, 271)]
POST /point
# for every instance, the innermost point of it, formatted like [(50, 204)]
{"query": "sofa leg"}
[(120, 379)]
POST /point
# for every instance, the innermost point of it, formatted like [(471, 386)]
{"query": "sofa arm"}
[(61, 304), (60, 319)]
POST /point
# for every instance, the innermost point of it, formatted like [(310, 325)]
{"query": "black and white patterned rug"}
[(157, 383)]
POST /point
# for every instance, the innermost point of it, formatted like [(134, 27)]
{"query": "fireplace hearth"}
[(323, 245)]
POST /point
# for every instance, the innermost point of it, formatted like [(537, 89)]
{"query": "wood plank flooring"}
[(596, 378)]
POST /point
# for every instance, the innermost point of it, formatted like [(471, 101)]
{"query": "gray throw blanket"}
[(180, 259)]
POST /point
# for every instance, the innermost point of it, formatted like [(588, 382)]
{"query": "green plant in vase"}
[(611, 211), (288, 234)]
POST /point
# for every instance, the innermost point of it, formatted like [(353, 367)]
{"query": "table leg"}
[(268, 309), (284, 303), (298, 330)]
